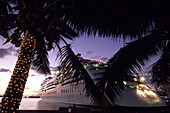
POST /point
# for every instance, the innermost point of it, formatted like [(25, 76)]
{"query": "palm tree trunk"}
[(14, 92)]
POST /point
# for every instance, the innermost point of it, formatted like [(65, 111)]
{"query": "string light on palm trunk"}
[(13, 95)]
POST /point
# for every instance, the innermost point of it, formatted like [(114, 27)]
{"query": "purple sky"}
[(90, 47)]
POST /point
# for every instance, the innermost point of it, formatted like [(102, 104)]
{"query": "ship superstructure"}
[(59, 88)]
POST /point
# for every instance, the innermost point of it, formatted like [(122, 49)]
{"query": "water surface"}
[(38, 104)]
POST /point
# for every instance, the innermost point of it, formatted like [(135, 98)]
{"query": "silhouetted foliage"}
[(50, 21)]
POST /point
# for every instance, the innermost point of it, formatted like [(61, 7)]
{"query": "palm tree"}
[(71, 61), (41, 24), (45, 23), (144, 22), (146, 25), (160, 69), (130, 59)]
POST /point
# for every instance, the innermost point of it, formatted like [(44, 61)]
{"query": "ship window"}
[(78, 88), (132, 87), (75, 88), (95, 65), (85, 66), (125, 82), (105, 65)]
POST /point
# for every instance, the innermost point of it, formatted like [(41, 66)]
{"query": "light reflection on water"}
[(38, 104), (48, 105)]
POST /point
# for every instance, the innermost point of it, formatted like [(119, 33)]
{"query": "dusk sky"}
[(90, 47)]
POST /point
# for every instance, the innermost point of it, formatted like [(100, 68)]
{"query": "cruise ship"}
[(61, 89)]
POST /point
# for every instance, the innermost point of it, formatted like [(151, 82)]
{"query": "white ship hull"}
[(60, 89), (68, 94), (75, 95)]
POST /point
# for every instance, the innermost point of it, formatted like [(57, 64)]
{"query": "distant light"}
[(141, 86), (125, 82), (135, 79)]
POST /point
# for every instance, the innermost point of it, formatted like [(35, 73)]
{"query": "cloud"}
[(104, 59), (4, 70), (27, 88), (33, 75), (13, 50), (16, 52), (36, 91), (8, 51), (33, 68), (4, 52), (89, 52), (96, 57), (54, 68)]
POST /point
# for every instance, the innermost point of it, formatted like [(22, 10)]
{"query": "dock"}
[(109, 110)]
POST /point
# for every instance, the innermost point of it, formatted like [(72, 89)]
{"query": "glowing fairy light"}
[(12, 97)]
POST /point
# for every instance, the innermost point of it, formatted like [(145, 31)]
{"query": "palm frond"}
[(10, 2), (127, 61), (135, 53), (7, 23), (5, 7), (59, 30), (160, 70), (73, 65), (7, 20), (63, 29), (40, 62), (4, 33), (116, 18)]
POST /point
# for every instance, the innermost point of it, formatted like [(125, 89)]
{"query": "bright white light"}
[(148, 96), (140, 92), (142, 79)]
